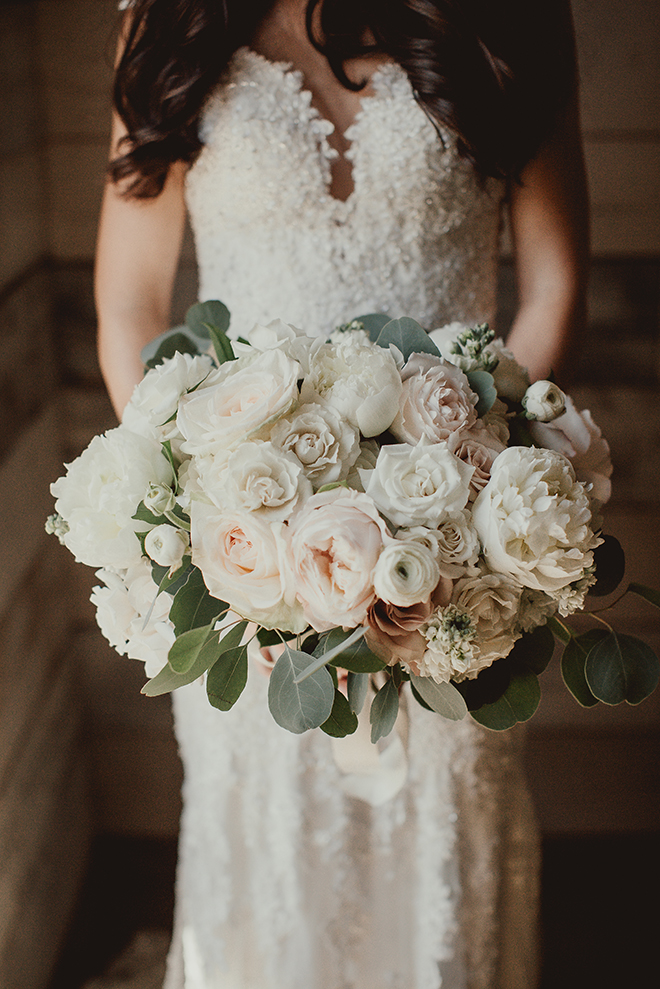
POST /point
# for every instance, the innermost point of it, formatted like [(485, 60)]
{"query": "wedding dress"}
[(285, 879)]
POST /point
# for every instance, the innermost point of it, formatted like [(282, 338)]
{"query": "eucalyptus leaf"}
[(483, 383), (357, 657), (622, 668), (167, 680), (227, 677), (373, 323), (559, 630), (384, 709), (212, 318), (443, 698), (610, 563), (420, 700), (342, 720), (533, 651), (172, 582), (357, 687), (518, 703), (177, 340), (193, 605), (649, 594), (299, 706), (187, 646), (573, 663), (408, 336)]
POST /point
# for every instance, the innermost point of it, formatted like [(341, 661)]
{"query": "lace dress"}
[(286, 880)]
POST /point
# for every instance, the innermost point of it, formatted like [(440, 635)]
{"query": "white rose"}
[(133, 617), (454, 544), (336, 539), (156, 398), (405, 574), (100, 493), (166, 545), (357, 378), (255, 477), (237, 400), (285, 337), (436, 400), (544, 401), (325, 445), (244, 560), (534, 520), (420, 484), (576, 435)]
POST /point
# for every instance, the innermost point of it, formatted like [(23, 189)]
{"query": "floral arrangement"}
[(400, 505)]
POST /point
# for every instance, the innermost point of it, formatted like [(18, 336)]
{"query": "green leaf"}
[(559, 630), (177, 340), (408, 336), (161, 576), (533, 651), (373, 323), (443, 698), (193, 605), (342, 720), (212, 319), (167, 680), (610, 562), (518, 703), (268, 637), (648, 593), (144, 514), (384, 709), (357, 658), (483, 383), (227, 677), (622, 668), (299, 706), (357, 687), (186, 648), (573, 662), (420, 700)]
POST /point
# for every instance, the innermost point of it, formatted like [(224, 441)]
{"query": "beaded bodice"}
[(417, 236)]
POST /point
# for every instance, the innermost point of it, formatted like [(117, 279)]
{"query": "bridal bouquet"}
[(400, 505)]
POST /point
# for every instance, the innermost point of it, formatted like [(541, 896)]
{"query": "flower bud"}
[(166, 545), (544, 401), (159, 498)]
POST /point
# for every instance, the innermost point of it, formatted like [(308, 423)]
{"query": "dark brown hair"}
[(496, 72)]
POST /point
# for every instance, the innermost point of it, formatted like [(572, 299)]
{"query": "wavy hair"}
[(496, 72)]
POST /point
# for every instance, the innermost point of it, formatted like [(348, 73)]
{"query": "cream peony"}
[(336, 540), (405, 574), (100, 493), (436, 401), (283, 336), (577, 436), (236, 401), (244, 560), (325, 445), (420, 484), (357, 378), (534, 520), (256, 477), (133, 617)]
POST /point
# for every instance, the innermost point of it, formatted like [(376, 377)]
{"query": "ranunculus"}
[(336, 539), (405, 574), (534, 520), (237, 400), (435, 402), (255, 477), (100, 493), (166, 545), (155, 399), (576, 435), (420, 484), (244, 560), (357, 378), (325, 445), (134, 617), (544, 401), (477, 446)]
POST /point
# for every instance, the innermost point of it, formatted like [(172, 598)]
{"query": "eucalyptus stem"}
[(328, 656)]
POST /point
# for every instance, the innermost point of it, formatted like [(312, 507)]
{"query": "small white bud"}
[(166, 545), (159, 498), (544, 401)]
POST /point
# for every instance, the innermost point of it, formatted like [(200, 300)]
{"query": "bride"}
[(339, 157)]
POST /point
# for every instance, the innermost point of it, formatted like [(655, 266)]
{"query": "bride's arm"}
[(550, 229), (136, 261)]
